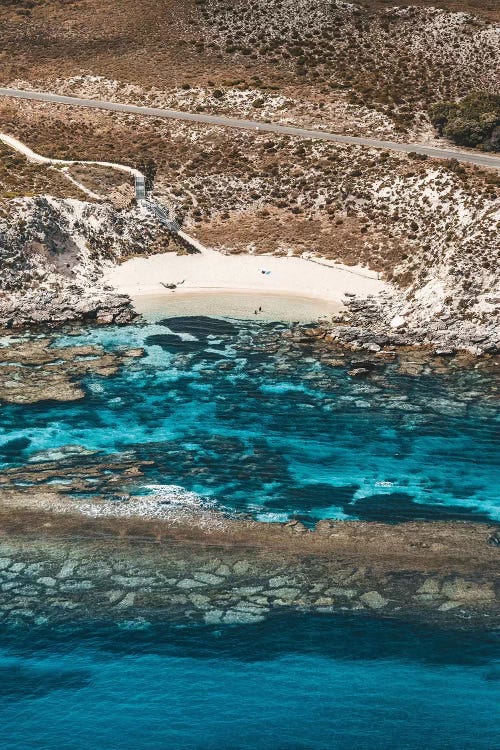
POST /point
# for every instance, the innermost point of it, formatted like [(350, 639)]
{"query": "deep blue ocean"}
[(292, 683), (241, 415)]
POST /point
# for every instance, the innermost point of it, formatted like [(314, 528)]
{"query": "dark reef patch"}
[(200, 326), (312, 496), (11, 450), (399, 507), (172, 343), (19, 681)]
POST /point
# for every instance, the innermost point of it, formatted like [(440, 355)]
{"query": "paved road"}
[(485, 160)]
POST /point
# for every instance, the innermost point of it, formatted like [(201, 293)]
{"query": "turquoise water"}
[(237, 412), (241, 414), (294, 683)]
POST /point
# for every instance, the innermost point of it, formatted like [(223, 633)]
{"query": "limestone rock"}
[(373, 600), (127, 601), (209, 578), (189, 583), (46, 581), (234, 617), (429, 586), (213, 616), (278, 581), (295, 527), (467, 591)]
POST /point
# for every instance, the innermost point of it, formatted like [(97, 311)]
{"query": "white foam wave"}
[(165, 502), (183, 335), (174, 494)]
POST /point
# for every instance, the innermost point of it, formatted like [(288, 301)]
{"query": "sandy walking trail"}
[(32, 156)]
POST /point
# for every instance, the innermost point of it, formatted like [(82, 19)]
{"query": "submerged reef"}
[(140, 468), (32, 371), (203, 566), (276, 421)]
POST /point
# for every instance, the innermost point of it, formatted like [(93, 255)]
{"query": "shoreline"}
[(238, 304), (242, 273), (436, 571), (371, 314)]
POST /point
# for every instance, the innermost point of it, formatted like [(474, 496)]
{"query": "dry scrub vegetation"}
[(235, 96), (19, 177), (371, 64), (418, 221), (145, 43), (398, 60)]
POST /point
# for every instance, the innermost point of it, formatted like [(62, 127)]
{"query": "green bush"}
[(473, 121)]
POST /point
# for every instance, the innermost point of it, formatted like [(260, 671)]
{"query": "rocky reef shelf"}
[(142, 466), (203, 567), (268, 419)]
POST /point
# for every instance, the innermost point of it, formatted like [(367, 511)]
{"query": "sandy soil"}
[(210, 270)]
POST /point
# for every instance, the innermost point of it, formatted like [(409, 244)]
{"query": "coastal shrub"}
[(149, 168), (453, 165), (473, 121)]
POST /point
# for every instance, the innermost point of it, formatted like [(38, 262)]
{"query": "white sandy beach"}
[(210, 271)]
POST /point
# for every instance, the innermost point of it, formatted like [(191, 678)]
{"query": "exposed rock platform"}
[(202, 566)]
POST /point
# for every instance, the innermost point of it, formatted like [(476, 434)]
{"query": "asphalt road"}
[(470, 157)]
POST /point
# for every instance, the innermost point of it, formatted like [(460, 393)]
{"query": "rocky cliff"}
[(52, 252)]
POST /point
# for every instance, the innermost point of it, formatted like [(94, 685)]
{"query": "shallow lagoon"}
[(243, 414)]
